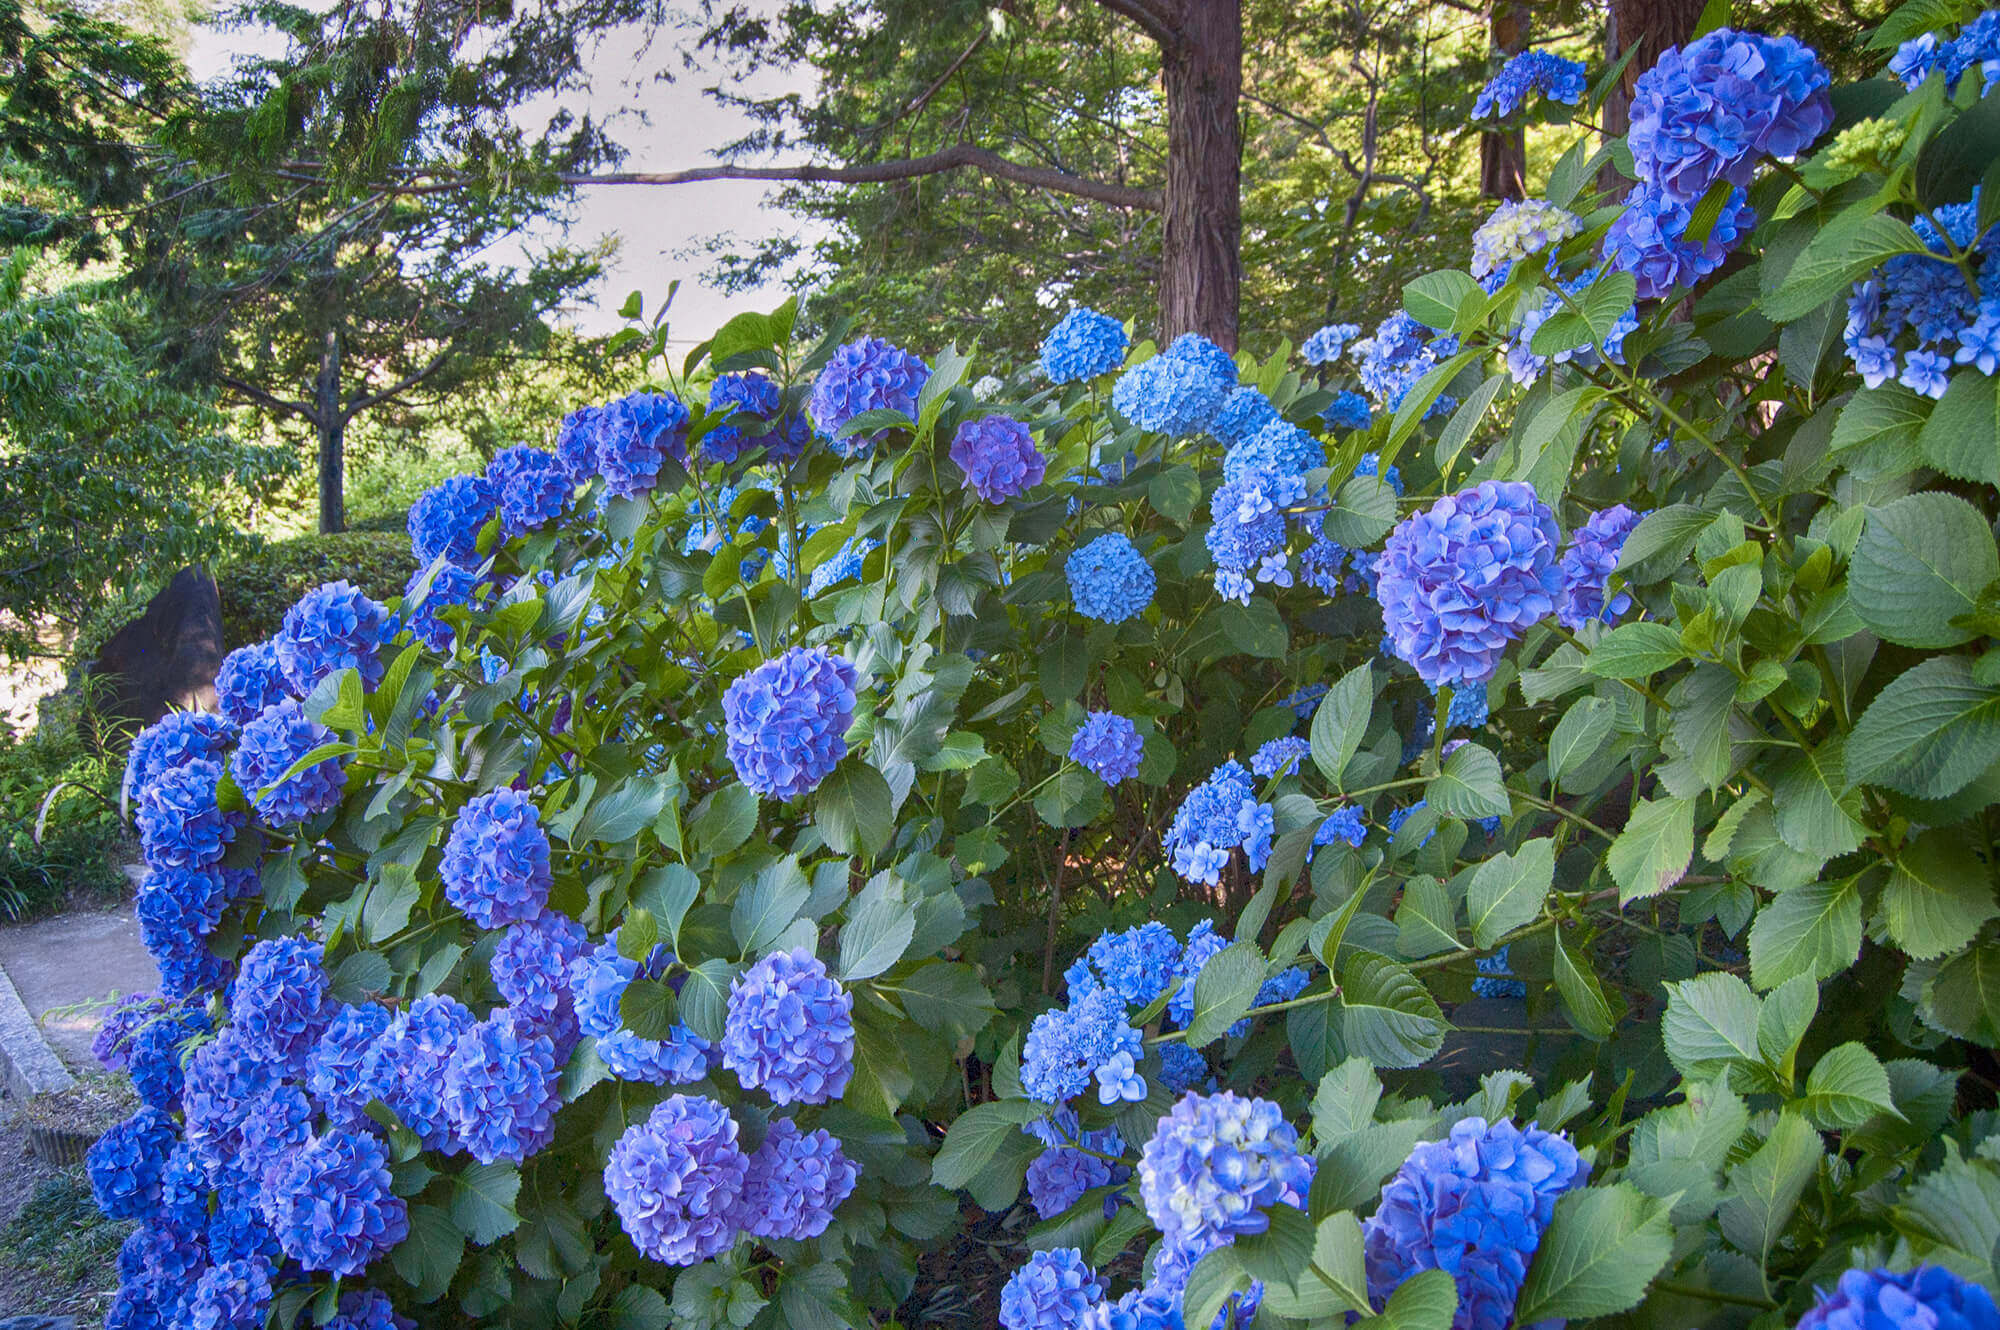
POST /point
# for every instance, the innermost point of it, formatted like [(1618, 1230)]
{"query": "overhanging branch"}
[(264, 399), (1160, 21), (410, 380)]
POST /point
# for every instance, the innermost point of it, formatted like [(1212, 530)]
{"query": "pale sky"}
[(652, 222)]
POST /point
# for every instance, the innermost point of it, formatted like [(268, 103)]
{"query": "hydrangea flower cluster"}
[(1462, 579), (1977, 47), (247, 681), (126, 1163), (234, 1295), (1531, 71), (1649, 239), (676, 1180), (1215, 1165), (1324, 346), (449, 585), (1915, 317), (1586, 566), (1343, 824), (1219, 815), (1400, 352), (1109, 580), (176, 739), (790, 1029), (999, 457), (865, 375), (180, 823), (1136, 964), (332, 628), (1178, 392), (1280, 756), (155, 1052), (795, 1181), (1066, 1046), (1082, 345), (634, 437), (1711, 110), (1054, 1290), (531, 963), (1058, 1178), (331, 1206), (500, 1088), (446, 519), (278, 1004), (1347, 411), (271, 744), (1108, 746), (1526, 365), (1518, 228), (1475, 1205), (1245, 413), (336, 1067), (531, 487), (405, 1066), (1929, 1296), (496, 862), (756, 397), (786, 721)]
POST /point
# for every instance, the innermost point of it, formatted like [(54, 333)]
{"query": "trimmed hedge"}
[(259, 588)]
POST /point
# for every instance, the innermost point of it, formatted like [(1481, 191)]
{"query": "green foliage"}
[(61, 839), (258, 588)]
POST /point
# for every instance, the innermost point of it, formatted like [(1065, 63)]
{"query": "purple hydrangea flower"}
[(532, 961), (1058, 1178), (1475, 1204), (999, 457), (786, 721), (1109, 580), (235, 1295), (1556, 78), (1649, 240), (1281, 756), (1215, 1165), (1054, 1290), (1347, 411), (1219, 815), (331, 1205), (1175, 395), (496, 862), (126, 1163), (635, 436), (449, 585), (176, 739), (868, 374), (223, 1077), (158, 1046), (112, 1045), (1136, 964), (1107, 745), (276, 739), (790, 1029), (500, 1089), (794, 1183), (1929, 1297), (531, 486), (369, 1309), (180, 823), (405, 1066), (1066, 1046), (336, 1068), (1083, 345), (446, 518), (1461, 580), (676, 1180), (333, 628), (1181, 1068), (1324, 346), (783, 437), (279, 1000), (275, 1125), (1711, 110), (247, 681), (1586, 566)]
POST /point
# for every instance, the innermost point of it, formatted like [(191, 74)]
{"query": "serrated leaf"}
[(854, 809), (1635, 651), (1813, 930), (1507, 891), (1847, 1087), (1224, 991), (1601, 1250), (1710, 1023), (1384, 1014), (1469, 784), (1937, 896), (976, 1137), (875, 938), (1765, 1188), (1921, 563), (1341, 722), (1583, 996), (1652, 853), (482, 1201), (1425, 921), (1928, 733)]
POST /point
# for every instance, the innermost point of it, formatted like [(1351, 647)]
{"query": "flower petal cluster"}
[(1462, 579), (276, 1124), (1474, 1205), (126, 1163), (1711, 110), (1649, 239), (1556, 78), (500, 1088), (1054, 1290), (1067, 1045), (450, 585), (1586, 566), (531, 486), (1280, 756), (1108, 746), (234, 1295), (1245, 413), (1903, 319), (446, 518), (271, 744), (223, 1078), (112, 1044), (157, 1049), (331, 1205), (1400, 352), (676, 1179), (790, 1029), (180, 823), (496, 861), (1929, 1297), (1219, 815), (786, 721), (405, 1066), (999, 457), (795, 1181), (333, 628), (1109, 580), (1083, 345), (1176, 393), (1215, 1165), (1518, 228), (576, 443), (174, 740), (1324, 346), (865, 375), (336, 1069), (247, 681), (1058, 1178), (756, 398), (279, 1000), (1136, 964), (635, 436), (1347, 411), (531, 963), (1977, 47), (369, 1309)]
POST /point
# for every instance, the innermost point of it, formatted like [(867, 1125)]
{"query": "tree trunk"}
[(1201, 261), (1652, 26), (332, 428), (1503, 156)]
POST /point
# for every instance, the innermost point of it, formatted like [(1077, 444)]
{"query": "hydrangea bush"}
[(820, 820)]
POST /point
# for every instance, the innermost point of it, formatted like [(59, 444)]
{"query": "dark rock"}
[(167, 657), (37, 1323)]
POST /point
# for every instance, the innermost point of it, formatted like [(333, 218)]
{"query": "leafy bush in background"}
[(258, 588), (75, 850)]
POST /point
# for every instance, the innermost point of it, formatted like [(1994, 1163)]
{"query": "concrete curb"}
[(28, 1066)]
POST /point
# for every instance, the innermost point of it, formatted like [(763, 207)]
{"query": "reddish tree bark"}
[(1503, 157), (1201, 278), (1652, 26)]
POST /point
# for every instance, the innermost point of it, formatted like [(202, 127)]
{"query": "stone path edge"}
[(28, 1066)]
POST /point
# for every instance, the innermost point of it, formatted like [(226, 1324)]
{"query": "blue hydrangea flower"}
[(451, 585), (1305, 700), (999, 457), (176, 739), (794, 1183), (1215, 1165), (1280, 756), (237, 1231), (1556, 78), (1181, 1067), (405, 1066), (1496, 979), (500, 1089), (1587, 565), (247, 681), (112, 1044), (1245, 413), (279, 1000), (1219, 815), (1462, 579), (1649, 240), (161, 1256), (786, 721), (333, 628), (1148, 1308), (1321, 566), (675, 1180), (1977, 46), (126, 1163), (223, 1077), (496, 862), (1400, 352), (336, 1068), (1203, 942), (1052, 1291), (235, 1295), (844, 563), (1711, 110), (1247, 518), (635, 436), (181, 900), (1136, 964), (531, 486), (1476, 1205), (1058, 1178), (1118, 1079), (865, 375), (276, 1125), (276, 739), (1347, 411), (180, 823), (1326, 344), (681, 1058), (1926, 373), (531, 963), (790, 1029), (1470, 708), (1279, 449), (1107, 745), (1109, 580), (576, 443), (1929, 1297), (783, 437), (446, 518), (1518, 228), (1083, 345), (331, 1205), (1175, 395), (157, 1052), (1066, 1046), (369, 1309)]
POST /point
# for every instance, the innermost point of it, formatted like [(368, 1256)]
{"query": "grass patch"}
[(60, 1240)]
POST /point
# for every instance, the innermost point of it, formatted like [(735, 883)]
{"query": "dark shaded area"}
[(167, 657)]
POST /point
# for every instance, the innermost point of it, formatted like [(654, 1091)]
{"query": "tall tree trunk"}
[(332, 427), (1503, 156), (1201, 279), (1652, 26)]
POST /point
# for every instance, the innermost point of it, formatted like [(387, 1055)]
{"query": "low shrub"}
[(258, 588)]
